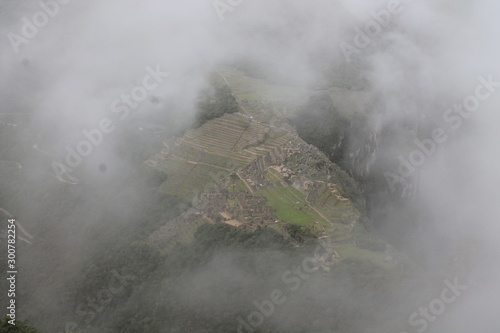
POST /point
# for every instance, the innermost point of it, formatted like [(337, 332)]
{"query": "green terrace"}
[(214, 148), (291, 206), (245, 87), (185, 179)]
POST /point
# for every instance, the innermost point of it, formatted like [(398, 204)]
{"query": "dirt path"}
[(244, 112), (320, 214), (217, 167), (234, 223), (308, 203), (200, 163), (245, 182)]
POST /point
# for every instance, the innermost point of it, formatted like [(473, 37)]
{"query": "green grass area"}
[(331, 206), (297, 193), (285, 210), (290, 204), (294, 208), (285, 99), (236, 185), (193, 154), (185, 180)]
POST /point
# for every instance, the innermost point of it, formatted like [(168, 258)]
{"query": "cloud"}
[(426, 60)]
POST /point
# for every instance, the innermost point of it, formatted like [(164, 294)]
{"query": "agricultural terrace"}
[(210, 152)]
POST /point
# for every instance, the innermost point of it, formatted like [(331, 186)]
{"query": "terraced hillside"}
[(250, 169), (211, 152)]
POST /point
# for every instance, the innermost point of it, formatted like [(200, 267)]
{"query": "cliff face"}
[(360, 136), (375, 147), (376, 151)]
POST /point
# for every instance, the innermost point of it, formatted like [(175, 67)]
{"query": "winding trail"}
[(308, 203), (245, 182), (200, 163)]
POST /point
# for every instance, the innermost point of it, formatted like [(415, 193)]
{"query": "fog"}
[(75, 70)]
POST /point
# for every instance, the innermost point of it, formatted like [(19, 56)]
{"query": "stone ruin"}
[(253, 172), (217, 207)]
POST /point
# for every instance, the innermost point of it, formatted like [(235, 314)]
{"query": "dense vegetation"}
[(319, 123), (215, 102), (207, 285)]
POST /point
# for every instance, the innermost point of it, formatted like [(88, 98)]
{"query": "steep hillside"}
[(250, 170), (243, 180)]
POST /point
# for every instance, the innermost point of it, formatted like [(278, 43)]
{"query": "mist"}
[(96, 70)]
